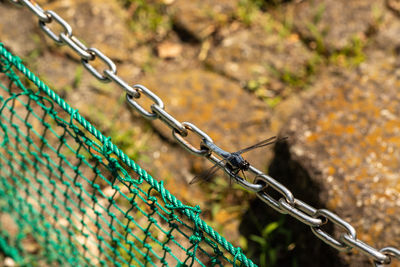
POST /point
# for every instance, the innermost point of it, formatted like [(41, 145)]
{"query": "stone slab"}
[(263, 55), (336, 22), (346, 141), (232, 117)]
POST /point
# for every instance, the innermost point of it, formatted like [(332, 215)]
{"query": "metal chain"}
[(287, 204)]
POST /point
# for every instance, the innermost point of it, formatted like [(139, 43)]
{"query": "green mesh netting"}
[(68, 196)]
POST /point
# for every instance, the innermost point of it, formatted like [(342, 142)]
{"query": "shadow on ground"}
[(280, 240)]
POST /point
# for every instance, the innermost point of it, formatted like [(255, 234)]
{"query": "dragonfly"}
[(234, 162)]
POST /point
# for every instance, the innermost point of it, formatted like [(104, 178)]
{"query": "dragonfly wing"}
[(266, 142), (206, 175)]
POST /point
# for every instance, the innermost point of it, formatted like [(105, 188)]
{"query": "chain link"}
[(391, 252), (287, 204), (37, 10), (266, 181), (111, 65), (252, 187), (121, 83), (336, 220), (77, 46), (54, 17), (168, 119), (186, 144), (302, 212), (140, 89), (365, 249)]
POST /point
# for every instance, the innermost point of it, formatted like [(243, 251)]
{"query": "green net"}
[(69, 196)]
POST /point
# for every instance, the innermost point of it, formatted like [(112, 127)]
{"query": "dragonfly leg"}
[(244, 175), (234, 172)]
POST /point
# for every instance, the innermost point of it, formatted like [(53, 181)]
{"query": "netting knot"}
[(190, 253), (167, 249), (196, 238), (71, 123), (106, 149), (171, 206), (5, 65), (152, 200), (215, 261), (114, 164)]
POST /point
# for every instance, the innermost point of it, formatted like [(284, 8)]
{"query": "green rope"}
[(87, 208)]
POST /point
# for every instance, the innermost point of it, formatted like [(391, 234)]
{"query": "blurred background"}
[(324, 73)]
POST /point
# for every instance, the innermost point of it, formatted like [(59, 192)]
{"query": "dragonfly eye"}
[(245, 165)]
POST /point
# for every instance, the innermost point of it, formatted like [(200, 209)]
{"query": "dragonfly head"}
[(244, 165)]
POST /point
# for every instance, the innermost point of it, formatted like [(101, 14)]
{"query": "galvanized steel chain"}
[(286, 204)]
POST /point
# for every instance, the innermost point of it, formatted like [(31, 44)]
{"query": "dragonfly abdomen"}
[(216, 149)]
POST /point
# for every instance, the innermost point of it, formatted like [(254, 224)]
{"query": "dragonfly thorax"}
[(234, 162), (238, 162)]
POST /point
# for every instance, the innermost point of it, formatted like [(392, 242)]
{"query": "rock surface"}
[(261, 56), (394, 5), (232, 117), (20, 40), (333, 24), (88, 18), (386, 38), (346, 138), (200, 19)]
